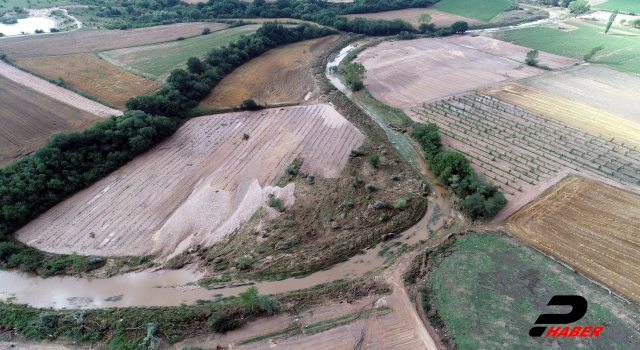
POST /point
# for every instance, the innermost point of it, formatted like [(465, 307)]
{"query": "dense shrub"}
[(374, 160)]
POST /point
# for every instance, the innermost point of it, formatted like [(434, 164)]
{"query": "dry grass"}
[(86, 72), (579, 115), (281, 75), (99, 40), (28, 118), (440, 19), (591, 226)]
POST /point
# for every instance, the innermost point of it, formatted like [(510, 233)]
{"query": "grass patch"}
[(343, 320), (292, 329), (483, 10), (621, 52), (628, 6)]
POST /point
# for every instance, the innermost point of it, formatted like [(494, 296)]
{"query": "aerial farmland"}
[(415, 174)]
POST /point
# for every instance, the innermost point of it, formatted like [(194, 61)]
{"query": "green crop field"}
[(483, 10), (621, 52), (491, 289), (158, 60), (31, 4), (627, 6)]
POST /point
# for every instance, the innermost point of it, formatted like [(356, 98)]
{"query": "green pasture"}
[(157, 60), (6, 5), (483, 10), (621, 52), (626, 6), (490, 290)]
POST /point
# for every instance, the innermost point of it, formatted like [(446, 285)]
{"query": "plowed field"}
[(280, 75), (99, 40), (440, 19), (579, 115), (86, 72), (407, 73), (591, 226), (56, 92), (28, 118), (198, 185)]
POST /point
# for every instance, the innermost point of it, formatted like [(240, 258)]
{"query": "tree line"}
[(70, 162), (479, 199)]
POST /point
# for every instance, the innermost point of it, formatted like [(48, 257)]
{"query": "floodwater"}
[(171, 288), (27, 26)]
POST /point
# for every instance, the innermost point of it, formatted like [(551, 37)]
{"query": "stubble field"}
[(99, 40), (197, 186), (440, 19), (28, 118), (281, 75), (87, 73), (591, 226)]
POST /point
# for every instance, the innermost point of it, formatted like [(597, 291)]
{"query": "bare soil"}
[(28, 118), (56, 92), (440, 19), (281, 75), (408, 73), (589, 225), (206, 169), (99, 40), (88, 73)]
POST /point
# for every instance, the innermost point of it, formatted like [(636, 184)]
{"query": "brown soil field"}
[(56, 92), (88, 73), (28, 118), (440, 19), (510, 51), (570, 112), (198, 185), (67, 43), (281, 75), (407, 73), (590, 226), (595, 85)]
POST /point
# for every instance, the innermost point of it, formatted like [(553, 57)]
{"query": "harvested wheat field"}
[(440, 19), (56, 92), (197, 186), (579, 115), (592, 227), (28, 118), (87, 73), (595, 85), (281, 75), (66, 43), (407, 73), (510, 51)]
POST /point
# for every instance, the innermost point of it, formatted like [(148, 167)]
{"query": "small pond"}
[(27, 25)]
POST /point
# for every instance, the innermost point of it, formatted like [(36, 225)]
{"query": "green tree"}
[(593, 52), (355, 73), (579, 7), (532, 58), (459, 27), (374, 160), (424, 18), (250, 299), (611, 19)]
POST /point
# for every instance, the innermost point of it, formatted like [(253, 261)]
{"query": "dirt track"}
[(591, 226), (281, 75), (99, 40), (28, 118), (56, 92), (203, 181)]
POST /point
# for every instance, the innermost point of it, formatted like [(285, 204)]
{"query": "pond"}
[(27, 25)]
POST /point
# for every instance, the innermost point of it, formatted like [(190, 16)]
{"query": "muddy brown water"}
[(175, 287)]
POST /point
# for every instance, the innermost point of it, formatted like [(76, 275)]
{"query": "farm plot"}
[(56, 92), (591, 226), (407, 73), (99, 40), (157, 61), (28, 118), (629, 6), (483, 10), (440, 19), (281, 75), (595, 85), (86, 72), (576, 114), (517, 149), (202, 183)]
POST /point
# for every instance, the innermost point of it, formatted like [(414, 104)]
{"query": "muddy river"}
[(167, 288)]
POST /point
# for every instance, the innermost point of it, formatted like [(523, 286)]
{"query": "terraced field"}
[(198, 185), (591, 226)]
